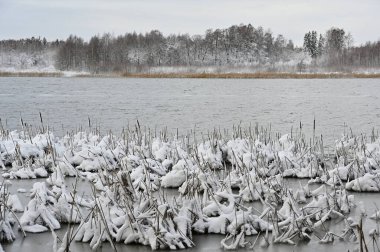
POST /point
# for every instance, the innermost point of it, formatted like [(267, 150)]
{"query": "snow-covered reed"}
[(218, 178)]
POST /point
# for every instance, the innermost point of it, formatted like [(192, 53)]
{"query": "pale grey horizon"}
[(57, 19)]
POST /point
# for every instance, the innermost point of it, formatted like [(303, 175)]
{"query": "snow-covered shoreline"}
[(50, 72), (197, 75)]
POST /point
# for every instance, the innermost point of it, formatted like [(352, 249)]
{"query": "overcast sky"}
[(292, 18)]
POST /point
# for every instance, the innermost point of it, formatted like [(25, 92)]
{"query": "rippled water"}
[(111, 103), (66, 104)]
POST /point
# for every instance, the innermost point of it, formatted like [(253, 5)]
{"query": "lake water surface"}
[(112, 103)]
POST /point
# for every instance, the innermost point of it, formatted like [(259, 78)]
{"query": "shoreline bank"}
[(257, 75)]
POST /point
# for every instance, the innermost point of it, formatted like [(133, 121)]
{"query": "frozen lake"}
[(111, 103), (66, 104)]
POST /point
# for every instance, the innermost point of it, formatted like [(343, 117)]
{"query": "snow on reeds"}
[(217, 178), (9, 205)]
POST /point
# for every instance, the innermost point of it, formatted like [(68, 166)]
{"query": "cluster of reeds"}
[(217, 175)]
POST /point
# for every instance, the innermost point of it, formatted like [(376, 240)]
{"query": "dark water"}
[(112, 103)]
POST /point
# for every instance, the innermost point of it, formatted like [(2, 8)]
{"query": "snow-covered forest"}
[(237, 48), (34, 54)]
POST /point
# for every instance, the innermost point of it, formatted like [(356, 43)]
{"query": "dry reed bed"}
[(31, 74), (259, 75)]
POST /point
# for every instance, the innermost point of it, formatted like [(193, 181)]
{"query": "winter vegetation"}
[(236, 49), (32, 55), (217, 179)]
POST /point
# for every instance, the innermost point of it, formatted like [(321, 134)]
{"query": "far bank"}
[(189, 75)]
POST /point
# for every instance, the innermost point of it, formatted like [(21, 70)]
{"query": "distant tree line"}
[(335, 50), (26, 53), (238, 45), (29, 45)]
